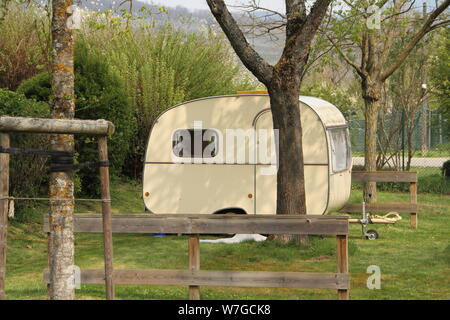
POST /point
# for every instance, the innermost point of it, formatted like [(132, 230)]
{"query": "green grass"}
[(415, 264)]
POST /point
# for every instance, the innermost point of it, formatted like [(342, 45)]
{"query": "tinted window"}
[(195, 143)]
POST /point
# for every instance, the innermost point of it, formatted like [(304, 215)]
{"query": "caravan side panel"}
[(202, 188)]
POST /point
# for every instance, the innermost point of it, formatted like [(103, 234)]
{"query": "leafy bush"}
[(431, 181), (38, 88), (18, 105), (99, 95), (33, 166)]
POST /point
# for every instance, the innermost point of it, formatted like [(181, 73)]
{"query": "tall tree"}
[(440, 75), (408, 90), (363, 33), (283, 82), (61, 183)]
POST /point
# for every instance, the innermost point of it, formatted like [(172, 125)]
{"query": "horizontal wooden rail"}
[(195, 224), (338, 281), (380, 207), (388, 176), (384, 176), (213, 224), (41, 125)]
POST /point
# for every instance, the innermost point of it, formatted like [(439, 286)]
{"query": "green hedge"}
[(16, 104), (430, 180), (28, 173)]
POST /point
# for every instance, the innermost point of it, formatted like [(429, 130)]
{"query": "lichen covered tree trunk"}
[(61, 183)]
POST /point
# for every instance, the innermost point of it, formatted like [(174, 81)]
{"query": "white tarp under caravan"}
[(218, 155)]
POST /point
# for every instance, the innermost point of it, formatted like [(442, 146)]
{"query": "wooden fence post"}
[(342, 262), (4, 203), (49, 258), (194, 263), (413, 195), (106, 212)]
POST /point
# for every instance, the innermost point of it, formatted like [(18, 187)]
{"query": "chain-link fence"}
[(418, 143)]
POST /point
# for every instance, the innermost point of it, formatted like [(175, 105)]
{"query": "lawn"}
[(415, 264)]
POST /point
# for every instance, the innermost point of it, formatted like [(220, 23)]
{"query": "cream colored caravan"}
[(232, 168)]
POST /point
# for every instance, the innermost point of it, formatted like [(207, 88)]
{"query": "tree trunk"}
[(372, 96), (409, 138), (423, 132), (284, 102), (61, 183)]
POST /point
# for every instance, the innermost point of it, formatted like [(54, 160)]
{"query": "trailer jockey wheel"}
[(371, 235)]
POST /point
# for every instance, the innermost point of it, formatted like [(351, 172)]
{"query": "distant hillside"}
[(192, 21)]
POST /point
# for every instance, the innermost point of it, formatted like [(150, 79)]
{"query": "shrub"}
[(27, 172), (446, 169), (24, 45), (18, 105), (99, 95), (38, 88)]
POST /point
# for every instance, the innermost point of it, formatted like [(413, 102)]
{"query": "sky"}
[(201, 4), (277, 5)]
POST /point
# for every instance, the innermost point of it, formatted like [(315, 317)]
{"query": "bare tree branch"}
[(439, 25), (249, 57), (389, 39), (400, 12), (346, 58), (427, 27), (254, 6)]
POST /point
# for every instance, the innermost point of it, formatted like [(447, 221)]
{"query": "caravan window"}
[(195, 143), (340, 149)]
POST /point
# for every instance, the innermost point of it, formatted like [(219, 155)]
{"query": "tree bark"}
[(423, 131), (61, 183), (372, 95), (39, 125), (284, 102)]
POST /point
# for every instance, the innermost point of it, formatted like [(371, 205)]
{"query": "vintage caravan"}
[(218, 155)]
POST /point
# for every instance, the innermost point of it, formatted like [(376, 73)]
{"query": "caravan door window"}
[(195, 143), (340, 149)]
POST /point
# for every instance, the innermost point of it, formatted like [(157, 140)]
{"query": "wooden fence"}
[(388, 176), (100, 128), (193, 225)]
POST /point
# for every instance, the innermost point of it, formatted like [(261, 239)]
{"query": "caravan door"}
[(265, 165), (315, 152)]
